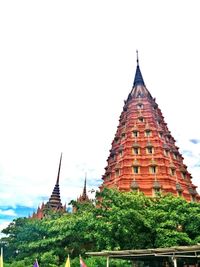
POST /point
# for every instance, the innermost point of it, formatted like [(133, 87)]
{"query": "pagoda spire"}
[(58, 177), (138, 80), (84, 196), (54, 203), (54, 200)]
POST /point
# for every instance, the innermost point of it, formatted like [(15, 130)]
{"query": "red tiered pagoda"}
[(144, 156), (54, 204)]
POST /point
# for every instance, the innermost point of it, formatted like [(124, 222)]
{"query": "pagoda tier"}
[(143, 156)]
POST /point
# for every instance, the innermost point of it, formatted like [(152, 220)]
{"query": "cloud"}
[(197, 164), (189, 148), (195, 141), (7, 212), (3, 225), (36, 187), (187, 153)]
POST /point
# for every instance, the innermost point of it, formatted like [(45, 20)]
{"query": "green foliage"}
[(49, 259), (117, 221), (22, 263), (175, 221)]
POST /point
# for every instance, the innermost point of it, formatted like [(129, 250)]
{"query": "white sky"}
[(65, 69)]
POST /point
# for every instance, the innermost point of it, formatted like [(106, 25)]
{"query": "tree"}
[(115, 221)]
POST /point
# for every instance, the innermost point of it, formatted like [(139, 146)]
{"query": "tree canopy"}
[(115, 221)]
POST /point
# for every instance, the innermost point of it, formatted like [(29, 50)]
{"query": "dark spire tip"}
[(137, 57), (138, 75), (58, 177)]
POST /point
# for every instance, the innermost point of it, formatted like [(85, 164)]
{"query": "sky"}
[(65, 69)]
